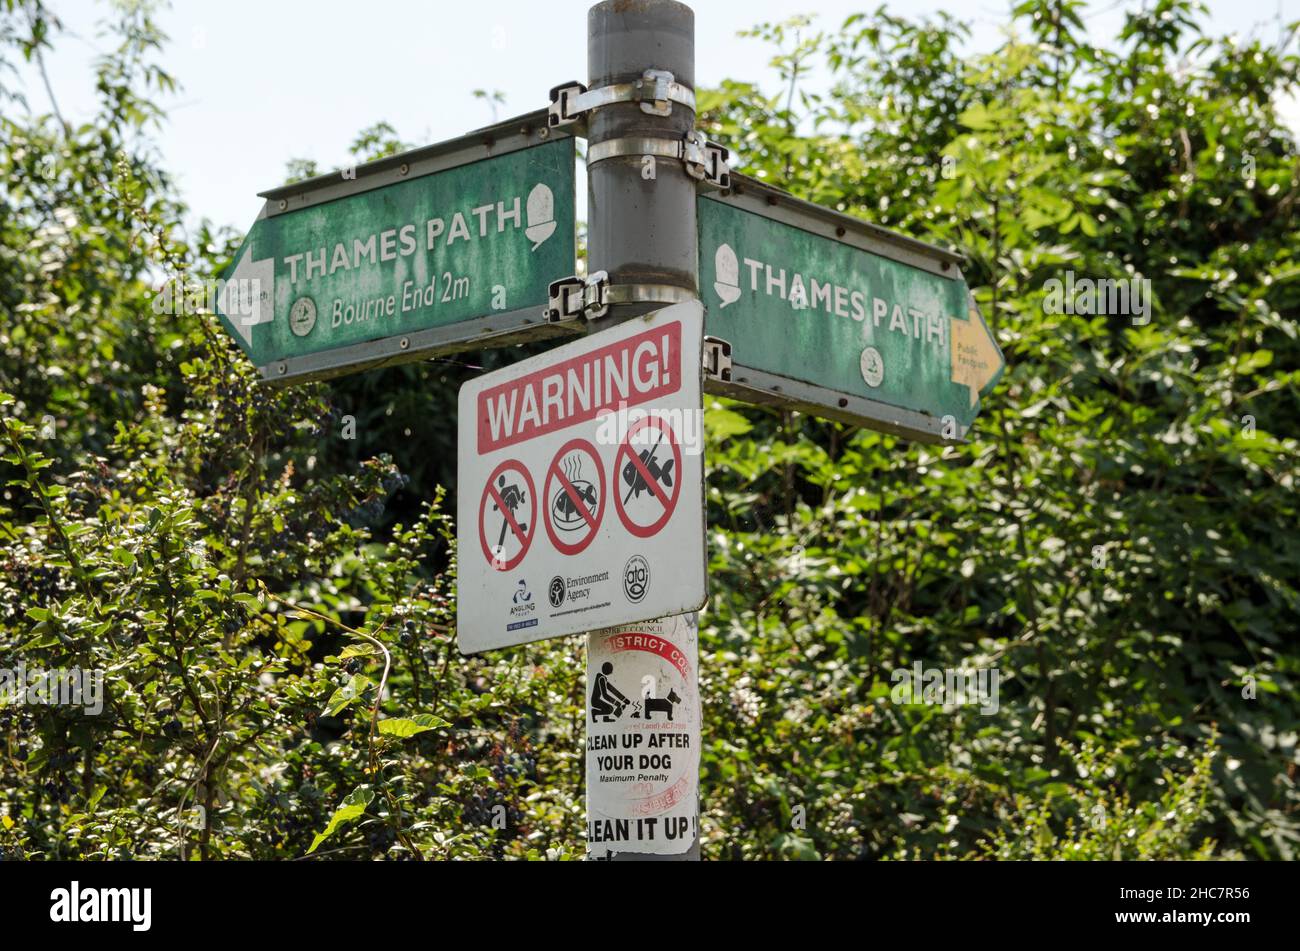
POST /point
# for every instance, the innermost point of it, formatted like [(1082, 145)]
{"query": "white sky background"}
[(264, 81)]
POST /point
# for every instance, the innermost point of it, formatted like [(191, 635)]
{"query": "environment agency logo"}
[(555, 591)]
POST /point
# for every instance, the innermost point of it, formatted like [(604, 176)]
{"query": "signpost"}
[(439, 249), (580, 503), (645, 166), (829, 314), (581, 485)]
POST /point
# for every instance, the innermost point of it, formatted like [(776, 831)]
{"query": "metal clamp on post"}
[(564, 299), (639, 294), (704, 161), (572, 297), (562, 110), (656, 91), (717, 359), (595, 295)]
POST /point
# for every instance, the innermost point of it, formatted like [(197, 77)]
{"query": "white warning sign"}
[(643, 738), (580, 502)]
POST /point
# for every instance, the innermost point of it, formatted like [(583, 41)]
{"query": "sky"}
[(264, 81)]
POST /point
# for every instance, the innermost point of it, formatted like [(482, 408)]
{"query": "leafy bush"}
[(271, 604)]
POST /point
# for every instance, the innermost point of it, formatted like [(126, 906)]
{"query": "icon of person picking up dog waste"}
[(607, 703)]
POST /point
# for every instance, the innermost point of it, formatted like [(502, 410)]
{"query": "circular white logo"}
[(636, 578), (873, 368), (302, 316)]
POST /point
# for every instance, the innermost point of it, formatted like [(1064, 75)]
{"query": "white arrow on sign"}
[(248, 296)]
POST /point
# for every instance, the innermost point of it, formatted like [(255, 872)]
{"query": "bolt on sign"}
[(443, 248), (580, 485), (837, 317), (643, 738)]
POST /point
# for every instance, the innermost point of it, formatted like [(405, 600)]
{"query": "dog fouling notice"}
[(643, 737)]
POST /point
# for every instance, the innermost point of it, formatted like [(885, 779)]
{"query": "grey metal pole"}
[(641, 230), (641, 227)]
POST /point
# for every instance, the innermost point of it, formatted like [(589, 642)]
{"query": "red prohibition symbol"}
[(574, 504), (509, 488), (648, 473)]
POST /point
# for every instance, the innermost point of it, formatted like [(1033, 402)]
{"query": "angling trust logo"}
[(77, 904), (521, 601)]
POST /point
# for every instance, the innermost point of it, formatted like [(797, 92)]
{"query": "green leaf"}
[(348, 694), (722, 423), (353, 806), (410, 726), (1254, 361), (358, 650), (978, 117)]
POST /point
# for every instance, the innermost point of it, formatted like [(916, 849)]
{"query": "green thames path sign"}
[(444, 248), (829, 314)]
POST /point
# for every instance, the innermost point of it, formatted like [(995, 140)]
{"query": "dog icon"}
[(664, 704)]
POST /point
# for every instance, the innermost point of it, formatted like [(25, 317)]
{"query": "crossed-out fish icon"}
[(659, 472)]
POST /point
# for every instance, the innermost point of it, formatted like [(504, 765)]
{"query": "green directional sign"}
[(823, 312), (444, 248)]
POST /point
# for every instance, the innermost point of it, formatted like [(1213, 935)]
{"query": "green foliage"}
[(1117, 537), (1098, 824), (272, 604)]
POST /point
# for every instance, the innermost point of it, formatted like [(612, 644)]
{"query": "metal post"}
[(641, 230), (641, 213)]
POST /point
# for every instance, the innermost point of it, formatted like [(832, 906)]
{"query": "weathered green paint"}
[(459, 236), (851, 300)]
